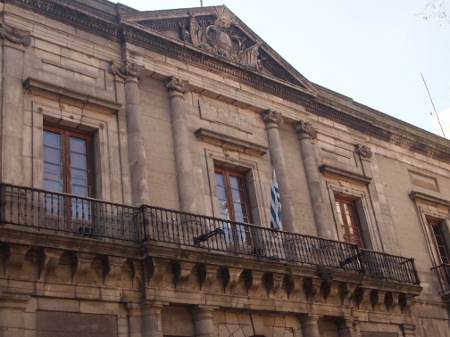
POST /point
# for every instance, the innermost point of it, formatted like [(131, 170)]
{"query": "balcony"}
[(85, 218)]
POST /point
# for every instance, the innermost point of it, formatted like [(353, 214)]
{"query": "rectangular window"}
[(439, 241), (233, 205), (66, 160), (349, 222)]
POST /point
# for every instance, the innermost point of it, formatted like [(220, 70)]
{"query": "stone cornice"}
[(231, 143), (40, 87), (429, 199), (345, 175)]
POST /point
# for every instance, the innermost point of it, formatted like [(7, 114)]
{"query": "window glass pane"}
[(79, 177), (52, 171), (53, 186), (82, 191), (234, 182), (78, 145), (52, 155), (78, 160), (52, 139)]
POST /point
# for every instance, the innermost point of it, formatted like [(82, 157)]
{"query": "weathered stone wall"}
[(63, 77)]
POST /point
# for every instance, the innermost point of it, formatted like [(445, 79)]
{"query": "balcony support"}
[(273, 119), (348, 328), (306, 134), (183, 158)]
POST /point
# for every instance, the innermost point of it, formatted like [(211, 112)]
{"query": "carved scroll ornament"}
[(303, 127), (363, 151), (219, 39), (125, 69), (271, 116), (15, 35), (175, 84)]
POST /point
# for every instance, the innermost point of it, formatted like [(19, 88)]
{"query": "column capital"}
[(127, 70), (363, 151), (271, 116), (176, 85), (306, 129), (15, 35)]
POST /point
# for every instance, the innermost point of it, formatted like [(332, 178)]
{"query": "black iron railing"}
[(443, 273), (66, 213), (86, 217), (388, 267)]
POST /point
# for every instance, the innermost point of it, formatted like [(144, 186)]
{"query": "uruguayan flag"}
[(275, 203)]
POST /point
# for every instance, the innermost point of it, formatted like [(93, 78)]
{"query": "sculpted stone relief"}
[(219, 39)]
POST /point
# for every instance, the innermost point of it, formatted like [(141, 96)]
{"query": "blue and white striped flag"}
[(275, 203)]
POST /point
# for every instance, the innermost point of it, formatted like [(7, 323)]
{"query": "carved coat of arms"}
[(219, 40)]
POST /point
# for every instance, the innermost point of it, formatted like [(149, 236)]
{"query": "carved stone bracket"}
[(254, 283), (15, 35), (306, 128), (233, 278), (271, 116), (127, 69), (174, 84), (15, 260), (50, 262), (184, 271), (113, 277), (364, 151), (162, 273), (83, 266)]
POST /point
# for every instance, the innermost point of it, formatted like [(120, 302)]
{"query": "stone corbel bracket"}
[(15, 35)]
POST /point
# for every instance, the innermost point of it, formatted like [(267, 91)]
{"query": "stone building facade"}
[(137, 156)]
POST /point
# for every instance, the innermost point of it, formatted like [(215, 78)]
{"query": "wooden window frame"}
[(437, 223), (236, 234), (65, 158), (345, 224), (227, 173), (74, 212)]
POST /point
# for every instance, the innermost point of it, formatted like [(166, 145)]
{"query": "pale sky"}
[(371, 51)]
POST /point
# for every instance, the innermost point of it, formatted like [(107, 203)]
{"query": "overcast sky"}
[(371, 51)]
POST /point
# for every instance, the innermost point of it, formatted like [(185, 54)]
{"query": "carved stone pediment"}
[(216, 31)]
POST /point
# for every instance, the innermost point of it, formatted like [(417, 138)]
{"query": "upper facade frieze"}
[(217, 32)]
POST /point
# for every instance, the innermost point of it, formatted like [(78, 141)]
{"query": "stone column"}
[(134, 320), (346, 328), (11, 104), (183, 157), (273, 119), (306, 133), (151, 320), (310, 326), (131, 73), (203, 321)]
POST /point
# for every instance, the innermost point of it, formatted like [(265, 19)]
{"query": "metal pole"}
[(437, 116)]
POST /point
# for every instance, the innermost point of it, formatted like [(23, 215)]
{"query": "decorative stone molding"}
[(126, 69), (15, 35), (175, 84), (306, 128), (271, 116), (364, 151)]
